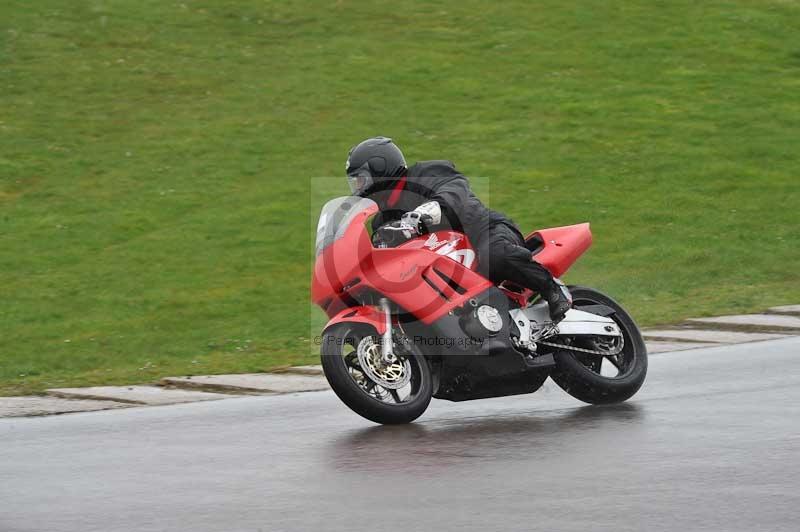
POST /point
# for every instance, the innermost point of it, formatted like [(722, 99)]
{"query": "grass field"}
[(155, 159)]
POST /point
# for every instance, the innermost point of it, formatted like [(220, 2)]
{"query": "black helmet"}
[(373, 161)]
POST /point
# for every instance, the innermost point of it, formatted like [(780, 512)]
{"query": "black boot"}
[(557, 301)]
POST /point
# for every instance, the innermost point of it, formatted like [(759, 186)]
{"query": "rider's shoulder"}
[(436, 168)]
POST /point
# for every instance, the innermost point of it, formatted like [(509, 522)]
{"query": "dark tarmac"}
[(712, 442)]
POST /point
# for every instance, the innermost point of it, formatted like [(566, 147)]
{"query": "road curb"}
[(42, 405), (137, 394), (694, 333), (793, 310), (255, 383)]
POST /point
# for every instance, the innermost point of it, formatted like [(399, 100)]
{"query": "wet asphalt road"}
[(711, 443)]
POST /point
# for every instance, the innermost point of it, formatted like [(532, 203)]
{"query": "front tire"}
[(355, 387), (582, 376)]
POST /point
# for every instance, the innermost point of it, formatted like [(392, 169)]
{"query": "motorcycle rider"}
[(432, 195)]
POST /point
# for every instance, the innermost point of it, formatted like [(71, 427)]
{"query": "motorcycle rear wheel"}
[(581, 375), (367, 398)]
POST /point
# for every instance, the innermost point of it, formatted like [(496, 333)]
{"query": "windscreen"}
[(336, 215)]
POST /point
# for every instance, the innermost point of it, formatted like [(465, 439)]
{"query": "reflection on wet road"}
[(712, 442), (457, 443)]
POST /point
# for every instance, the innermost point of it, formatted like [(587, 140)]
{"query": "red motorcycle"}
[(416, 321)]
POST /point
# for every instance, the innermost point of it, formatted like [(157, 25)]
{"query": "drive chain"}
[(583, 349)]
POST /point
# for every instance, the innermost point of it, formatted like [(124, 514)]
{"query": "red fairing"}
[(414, 276), (423, 283), (427, 276), (339, 265), (517, 293), (367, 315), (448, 244), (562, 246)]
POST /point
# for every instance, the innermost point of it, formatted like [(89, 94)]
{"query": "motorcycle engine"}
[(482, 321)]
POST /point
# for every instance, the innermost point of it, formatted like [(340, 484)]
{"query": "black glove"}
[(395, 233)]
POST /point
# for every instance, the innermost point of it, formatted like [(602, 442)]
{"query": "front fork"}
[(387, 352)]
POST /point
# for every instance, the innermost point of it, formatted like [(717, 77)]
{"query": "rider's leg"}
[(503, 256)]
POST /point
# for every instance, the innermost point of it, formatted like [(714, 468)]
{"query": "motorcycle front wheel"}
[(388, 394), (596, 379)]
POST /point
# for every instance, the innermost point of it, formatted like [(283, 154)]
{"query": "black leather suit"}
[(500, 246)]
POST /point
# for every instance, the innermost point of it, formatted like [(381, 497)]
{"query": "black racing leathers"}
[(500, 246), (502, 256)]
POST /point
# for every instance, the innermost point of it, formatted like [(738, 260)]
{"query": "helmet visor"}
[(359, 179)]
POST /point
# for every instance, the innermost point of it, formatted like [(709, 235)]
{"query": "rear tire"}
[(338, 346), (577, 375)]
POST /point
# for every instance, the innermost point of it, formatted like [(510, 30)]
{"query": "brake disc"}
[(393, 375)]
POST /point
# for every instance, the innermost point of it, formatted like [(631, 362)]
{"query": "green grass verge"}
[(155, 160)]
